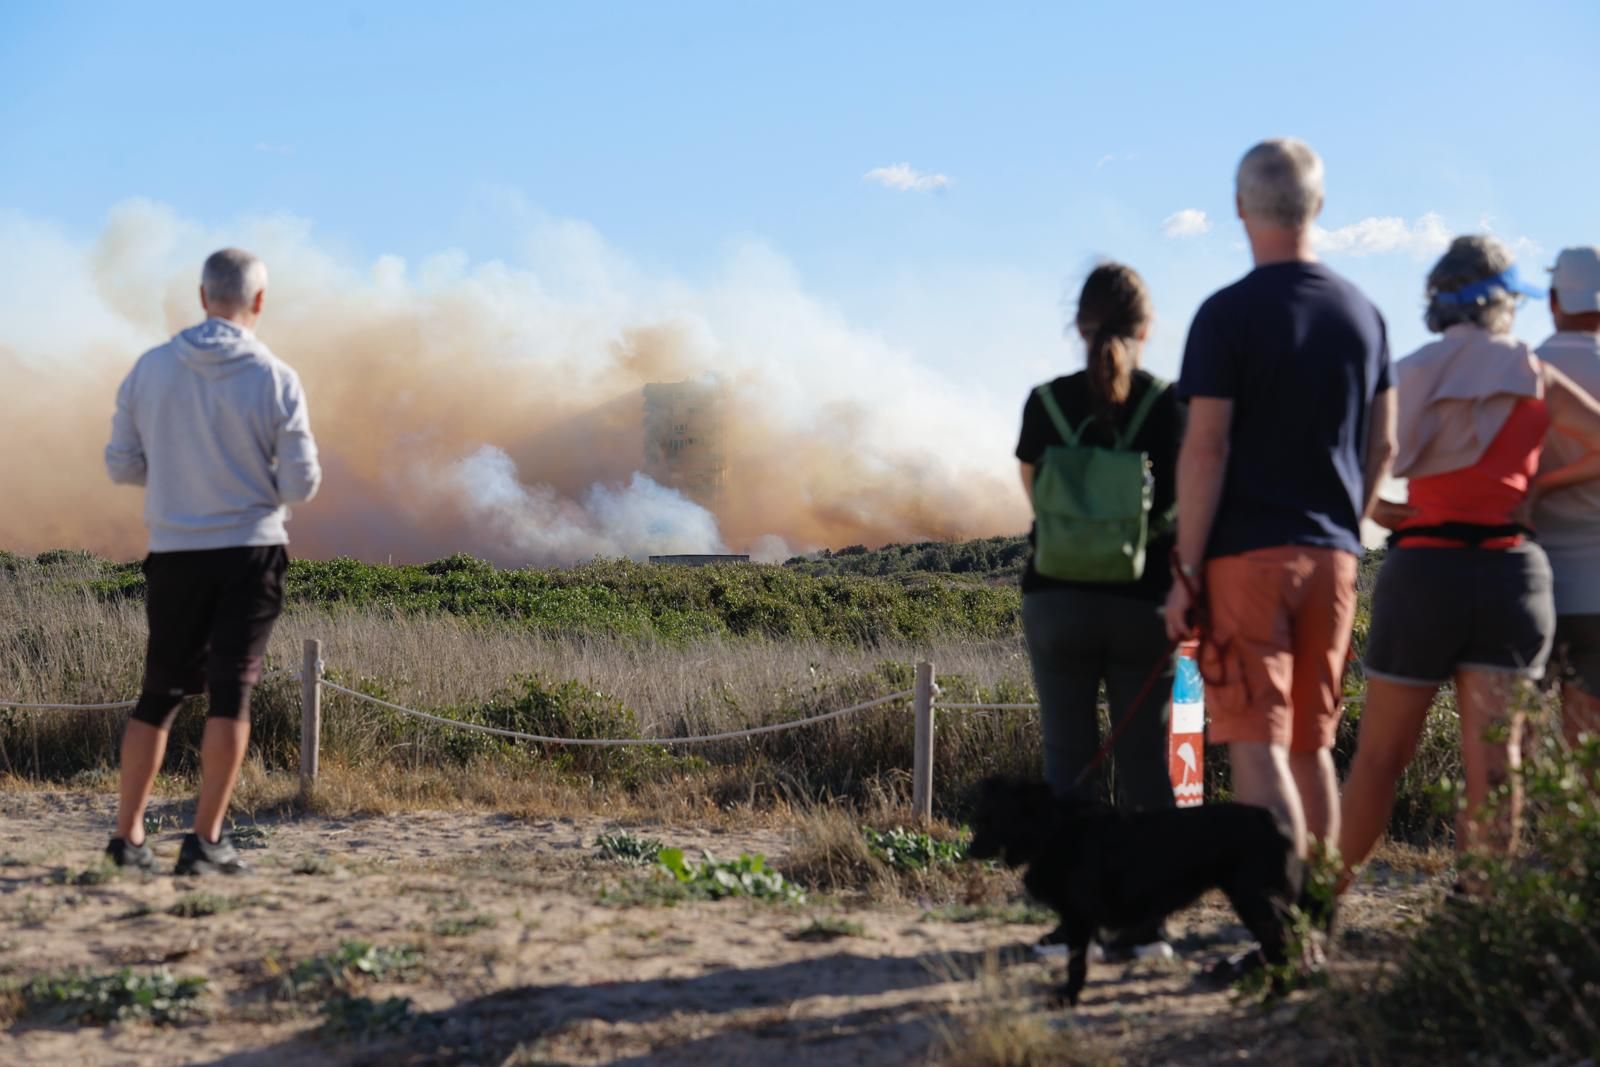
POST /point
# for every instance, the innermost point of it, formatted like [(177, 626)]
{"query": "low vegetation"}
[(629, 849), (348, 969), (913, 850), (714, 879), (125, 995), (1512, 975), (615, 649)]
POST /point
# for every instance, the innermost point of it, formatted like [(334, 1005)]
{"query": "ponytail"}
[(1110, 369), (1113, 310)]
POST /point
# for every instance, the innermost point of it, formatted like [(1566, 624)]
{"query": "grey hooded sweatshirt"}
[(215, 427)]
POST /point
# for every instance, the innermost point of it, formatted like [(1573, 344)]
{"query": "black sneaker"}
[(123, 854), (204, 857), (1232, 969)]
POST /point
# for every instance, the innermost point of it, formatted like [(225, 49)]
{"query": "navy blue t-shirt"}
[(1301, 353)]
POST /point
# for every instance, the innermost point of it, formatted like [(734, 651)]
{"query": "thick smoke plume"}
[(497, 409)]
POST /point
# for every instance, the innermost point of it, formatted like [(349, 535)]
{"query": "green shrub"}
[(626, 848), (827, 928), (913, 850), (617, 596), (350, 966), (1513, 975), (747, 876), (96, 999), (201, 905), (345, 1016)]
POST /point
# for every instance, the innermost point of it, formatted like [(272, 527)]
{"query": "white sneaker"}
[(1155, 950)]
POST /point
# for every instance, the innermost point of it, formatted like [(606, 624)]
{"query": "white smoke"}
[(495, 407), (541, 526)]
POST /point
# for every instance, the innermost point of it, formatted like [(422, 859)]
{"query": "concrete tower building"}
[(683, 439)]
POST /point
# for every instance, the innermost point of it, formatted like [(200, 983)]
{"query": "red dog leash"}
[(1199, 620)]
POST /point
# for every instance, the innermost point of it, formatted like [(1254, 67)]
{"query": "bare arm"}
[(1382, 444), (1575, 414), (1027, 482), (1202, 463), (1202, 466)]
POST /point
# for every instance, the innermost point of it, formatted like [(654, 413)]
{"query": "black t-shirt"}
[(1301, 353), (1158, 438)]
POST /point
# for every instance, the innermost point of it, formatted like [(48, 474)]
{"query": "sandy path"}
[(522, 964)]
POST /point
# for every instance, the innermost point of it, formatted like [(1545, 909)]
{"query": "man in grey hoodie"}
[(215, 427)]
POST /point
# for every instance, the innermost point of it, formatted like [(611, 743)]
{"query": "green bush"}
[(350, 966), (626, 848), (913, 850), (644, 600), (747, 876), (97, 999), (1513, 975)]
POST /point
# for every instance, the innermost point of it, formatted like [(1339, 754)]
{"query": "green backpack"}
[(1092, 505)]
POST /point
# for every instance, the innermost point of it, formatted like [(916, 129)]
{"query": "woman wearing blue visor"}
[(1464, 594)]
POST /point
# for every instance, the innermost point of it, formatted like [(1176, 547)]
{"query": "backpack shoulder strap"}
[(1047, 397), (1141, 413)]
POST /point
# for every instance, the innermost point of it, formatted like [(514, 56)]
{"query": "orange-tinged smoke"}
[(498, 410)]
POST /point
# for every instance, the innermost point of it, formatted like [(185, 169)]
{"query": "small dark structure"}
[(698, 559)]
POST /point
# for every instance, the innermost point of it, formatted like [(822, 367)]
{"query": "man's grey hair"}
[(231, 279), (1280, 183), (1467, 260)]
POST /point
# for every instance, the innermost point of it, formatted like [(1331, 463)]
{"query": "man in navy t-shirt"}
[(1291, 431)]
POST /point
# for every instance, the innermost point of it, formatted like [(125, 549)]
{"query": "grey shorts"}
[(1577, 654), (1439, 610)]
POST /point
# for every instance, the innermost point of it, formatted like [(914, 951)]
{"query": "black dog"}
[(1101, 868)]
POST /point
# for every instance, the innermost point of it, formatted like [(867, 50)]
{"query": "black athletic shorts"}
[(211, 615), (1577, 655), (1439, 610)]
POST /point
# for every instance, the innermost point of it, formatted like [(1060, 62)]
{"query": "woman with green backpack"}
[(1099, 454)]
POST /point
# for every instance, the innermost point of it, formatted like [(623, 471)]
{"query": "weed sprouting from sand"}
[(96, 999), (675, 877), (346, 1017), (100, 872), (747, 876), (913, 850), (312, 864), (1015, 913), (629, 849), (1002, 1025), (249, 836), (826, 928), (462, 925), (201, 905), (351, 966)]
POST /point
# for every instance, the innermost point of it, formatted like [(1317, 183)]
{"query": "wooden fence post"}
[(310, 716), (922, 759)]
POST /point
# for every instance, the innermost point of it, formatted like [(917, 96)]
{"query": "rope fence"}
[(618, 742), (312, 680)]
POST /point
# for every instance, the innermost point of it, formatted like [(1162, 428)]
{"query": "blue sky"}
[(1055, 134)]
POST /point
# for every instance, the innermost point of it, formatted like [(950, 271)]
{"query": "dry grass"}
[(830, 855), (59, 642), (1006, 1024)]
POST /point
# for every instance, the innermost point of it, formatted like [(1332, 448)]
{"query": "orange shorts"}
[(1280, 631)]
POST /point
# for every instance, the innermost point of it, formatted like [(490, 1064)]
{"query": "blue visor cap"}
[(1508, 279)]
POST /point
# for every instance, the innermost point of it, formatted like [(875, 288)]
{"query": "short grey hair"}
[(1280, 182), (231, 279), (1467, 260)]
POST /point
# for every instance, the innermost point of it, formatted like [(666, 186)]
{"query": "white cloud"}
[(268, 149), (1427, 235), (1190, 222), (907, 179)]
